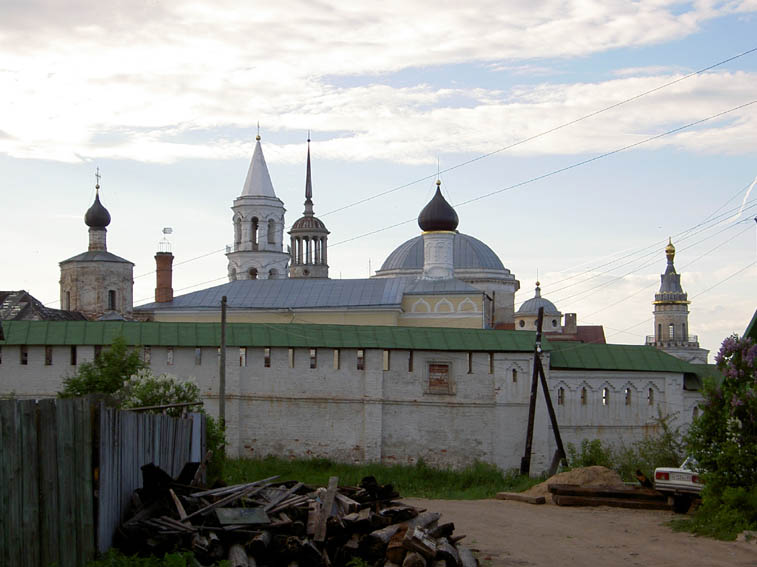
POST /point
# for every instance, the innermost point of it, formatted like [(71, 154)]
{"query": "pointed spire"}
[(308, 182), (258, 181)]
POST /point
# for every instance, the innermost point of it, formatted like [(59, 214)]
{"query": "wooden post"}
[(525, 463), (560, 452), (222, 367)]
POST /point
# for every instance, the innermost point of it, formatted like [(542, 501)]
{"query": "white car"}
[(681, 484)]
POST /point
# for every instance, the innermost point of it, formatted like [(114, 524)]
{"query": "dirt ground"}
[(507, 533)]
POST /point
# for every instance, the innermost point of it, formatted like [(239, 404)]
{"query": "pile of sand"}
[(586, 476)]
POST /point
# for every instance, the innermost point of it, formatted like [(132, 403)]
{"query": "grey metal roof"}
[(96, 256), (468, 253), (292, 293), (421, 287)]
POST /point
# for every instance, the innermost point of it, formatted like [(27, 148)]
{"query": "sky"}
[(573, 137)]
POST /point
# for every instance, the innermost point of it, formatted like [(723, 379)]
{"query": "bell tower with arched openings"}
[(258, 219)]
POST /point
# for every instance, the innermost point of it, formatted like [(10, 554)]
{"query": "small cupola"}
[(438, 214)]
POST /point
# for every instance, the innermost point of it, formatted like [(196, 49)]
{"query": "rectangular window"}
[(438, 378), (360, 359), (98, 351), (146, 354), (24, 355), (291, 358), (650, 397), (337, 361), (470, 363), (68, 300), (267, 357), (73, 356), (410, 361), (491, 363), (605, 396), (560, 396), (387, 359), (48, 356), (169, 356), (243, 356), (111, 299), (583, 396), (515, 375), (313, 358), (628, 396), (198, 356)]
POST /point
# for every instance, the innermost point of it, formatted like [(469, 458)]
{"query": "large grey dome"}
[(468, 254)]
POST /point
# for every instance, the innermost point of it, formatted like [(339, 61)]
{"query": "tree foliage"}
[(145, 389), (724, 437), (106, 374)]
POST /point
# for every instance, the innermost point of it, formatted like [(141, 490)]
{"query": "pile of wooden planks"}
[(272, 523), (617, 496)]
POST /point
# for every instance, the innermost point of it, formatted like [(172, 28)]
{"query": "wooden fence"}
[(49, 452)]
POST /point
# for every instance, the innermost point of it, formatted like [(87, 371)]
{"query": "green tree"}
[(145, 389), (106, 374)]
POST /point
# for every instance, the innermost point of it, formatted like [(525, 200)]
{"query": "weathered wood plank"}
[(69, 552), (85, 500), (14, 483), (567, 500), (328, 503), (30, 480), (520, 497), (6, 438), (630, 492)]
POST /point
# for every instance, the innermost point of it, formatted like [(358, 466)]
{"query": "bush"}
[(592, 453)]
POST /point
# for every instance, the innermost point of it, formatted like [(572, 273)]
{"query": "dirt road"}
[(516, 534)]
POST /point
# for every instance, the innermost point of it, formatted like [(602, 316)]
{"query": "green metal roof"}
[(265, 334), (640, 358)]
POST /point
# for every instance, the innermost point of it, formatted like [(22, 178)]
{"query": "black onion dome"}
[(97, 216), (438, 214)]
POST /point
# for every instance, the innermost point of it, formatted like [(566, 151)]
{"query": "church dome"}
[(97, 216), (438, 214), (468, 254), (309, 223), (531, 306)]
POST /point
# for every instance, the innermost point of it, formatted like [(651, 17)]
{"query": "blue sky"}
[(165, 98)]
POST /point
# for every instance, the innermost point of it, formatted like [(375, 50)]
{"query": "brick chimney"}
[(164, 277), (571, 324)]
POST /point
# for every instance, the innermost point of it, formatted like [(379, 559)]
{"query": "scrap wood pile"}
[(272, 523)]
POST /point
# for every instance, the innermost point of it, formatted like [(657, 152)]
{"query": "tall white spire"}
[(258, 182)]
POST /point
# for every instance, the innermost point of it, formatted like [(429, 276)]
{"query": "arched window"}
[(68, 300), (254, 233), (253, 273), (671, 331), (560, 396), (583, 396), (650, 396), (659, 331), (272, 274), (271, 231), (683, 331), (111, 299), (237, 232), (605, 396), (627, 393)]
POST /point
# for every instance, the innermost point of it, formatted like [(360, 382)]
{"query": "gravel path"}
[(507, 533)]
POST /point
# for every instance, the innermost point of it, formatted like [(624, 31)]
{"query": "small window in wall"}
[(243, 356), (521, 323), (491, 363), (554, 322), (337, 359), (169, 356), (583, 396), (72, 356), (387, 359), (438, 378), (291, 358), (267, 357), (410, 361), (672, 331), (146, 354), (24, 355), (68, 300), (271, 231), (627, 395), (98, 351), (470, 363), (198, 356), (313, 358), (605, 396), (515, 375), (48, 356), (111, 299), (650, 396), (360, 359), (561, 396)]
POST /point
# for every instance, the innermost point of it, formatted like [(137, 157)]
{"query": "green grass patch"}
[(722, 516), (477, 481), (114, 558)]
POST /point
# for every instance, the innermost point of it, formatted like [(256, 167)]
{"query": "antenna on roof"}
[(164, 245)]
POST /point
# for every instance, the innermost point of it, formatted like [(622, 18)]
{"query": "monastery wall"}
[(449, 408)]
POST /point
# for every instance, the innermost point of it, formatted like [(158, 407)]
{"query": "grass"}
[(477, 481)]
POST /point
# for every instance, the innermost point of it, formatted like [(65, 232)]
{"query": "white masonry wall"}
[(389, 416)]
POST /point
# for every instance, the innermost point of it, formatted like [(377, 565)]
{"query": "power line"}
[(544, 133), (566, 168)]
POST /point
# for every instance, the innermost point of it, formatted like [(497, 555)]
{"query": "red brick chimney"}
[(164, 279)]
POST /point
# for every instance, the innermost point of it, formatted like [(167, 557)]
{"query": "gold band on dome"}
[(439, 232)]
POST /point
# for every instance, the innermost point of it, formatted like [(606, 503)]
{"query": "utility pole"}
[(222, 367), (538, 374)]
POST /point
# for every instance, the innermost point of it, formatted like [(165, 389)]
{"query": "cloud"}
[(154, 72)]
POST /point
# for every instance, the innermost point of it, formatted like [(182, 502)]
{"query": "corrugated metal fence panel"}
[(46, 506), (130, 440)]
